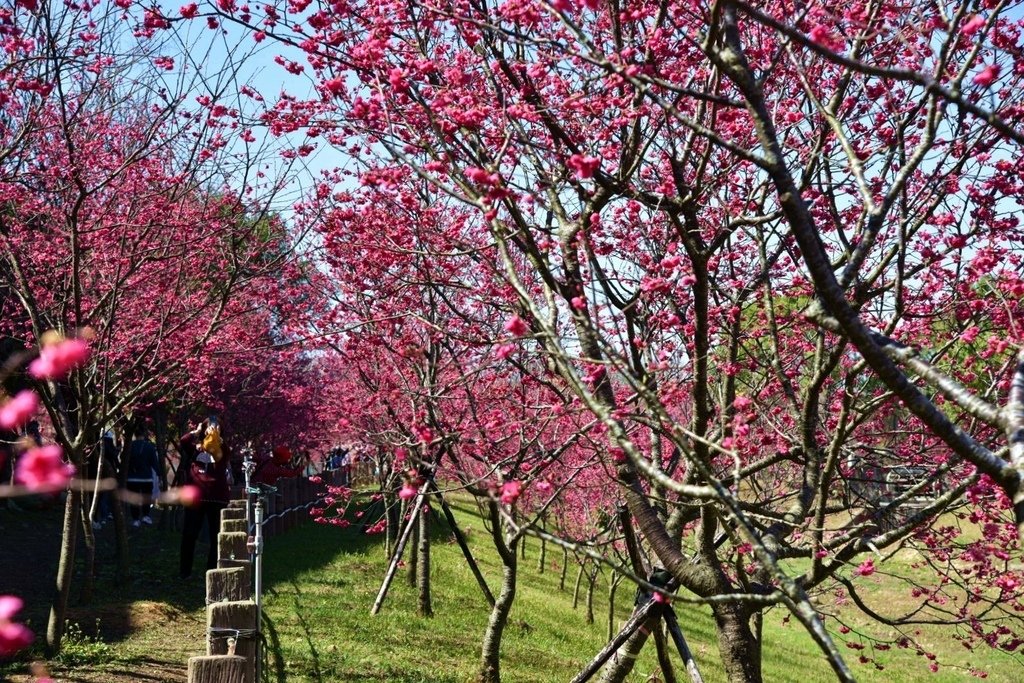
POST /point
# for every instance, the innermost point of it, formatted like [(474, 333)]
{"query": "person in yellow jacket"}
[(211, 440)]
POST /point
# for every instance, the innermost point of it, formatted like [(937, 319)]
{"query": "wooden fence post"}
[(229, 584), (233, 621), (231, 545), (219, 669), (272, 525), (288, 487), (233, 525), (231, 513)]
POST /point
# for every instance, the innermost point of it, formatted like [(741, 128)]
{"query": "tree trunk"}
[(124, 572), (490, 670), (124, 568), (612, 586), (591, 582), (65, 572), (414, 554), (89, 572), (565, 568), (668, 673), (739, 650), (423, 566), (576, 590), (622, 665), (391, 528), (543, 557)]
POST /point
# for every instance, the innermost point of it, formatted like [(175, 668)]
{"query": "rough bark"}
[(425, 608), (612, 587), (490, 659), (625, 659), (576, 590), (736, 644), (490, 663), (65, 571), (542, 558), (591, 583), (89, 538), (414, 556)]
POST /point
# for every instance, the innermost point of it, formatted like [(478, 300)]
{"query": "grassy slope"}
[(321, 620)]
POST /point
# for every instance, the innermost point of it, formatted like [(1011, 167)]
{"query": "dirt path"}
[(143, 631)]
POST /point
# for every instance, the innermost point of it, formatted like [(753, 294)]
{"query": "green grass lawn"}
[(323, 580)]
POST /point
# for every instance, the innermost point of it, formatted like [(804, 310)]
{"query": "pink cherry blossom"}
[(510, 491), (504, 351), (987, 76), (517, 326), (973, 26), (19, 409), (13, 637), (56, 360), (583, 166), (824, 36), (408, 491), (866, 568), (43, 469)]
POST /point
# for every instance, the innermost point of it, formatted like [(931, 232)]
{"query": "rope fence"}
[(233, 589)]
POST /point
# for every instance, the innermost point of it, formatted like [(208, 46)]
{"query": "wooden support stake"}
[(634, 622), (217, 669), (233, 624), (231, 545), (461, 540), (393, 567), (231, 513), (229, 584), (233, 525), (684, 651)]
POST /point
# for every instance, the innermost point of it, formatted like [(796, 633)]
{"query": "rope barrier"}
[(223, 632), (282, 513)]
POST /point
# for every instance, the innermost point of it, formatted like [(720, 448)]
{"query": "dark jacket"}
[(211, 479), (142, 461)]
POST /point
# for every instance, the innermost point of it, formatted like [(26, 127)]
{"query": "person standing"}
[(209, 473), (143, 469), (279, 464)]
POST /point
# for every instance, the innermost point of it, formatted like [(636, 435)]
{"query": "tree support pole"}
[(399, 549), (669, 615), (636, 621), (461, 540)]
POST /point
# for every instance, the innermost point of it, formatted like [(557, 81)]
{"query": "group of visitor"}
[(205, 463)]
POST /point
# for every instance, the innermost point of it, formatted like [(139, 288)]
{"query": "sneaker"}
[(147, 520), (136, 524)]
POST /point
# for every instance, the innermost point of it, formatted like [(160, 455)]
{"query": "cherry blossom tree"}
[(119, 231), (770, 247)]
